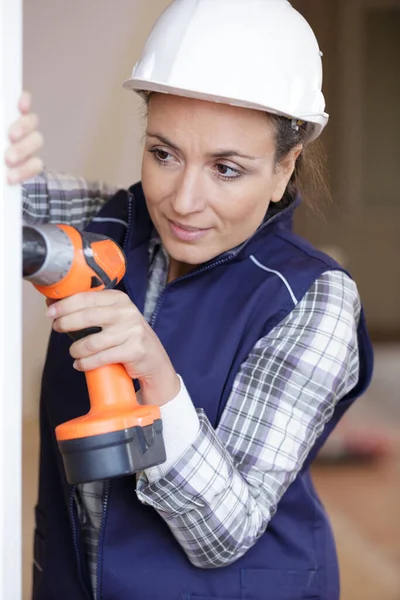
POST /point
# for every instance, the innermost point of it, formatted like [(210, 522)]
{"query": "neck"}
[(178, 269)]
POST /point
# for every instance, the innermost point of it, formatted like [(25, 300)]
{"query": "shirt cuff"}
[(181, 426), (201, 474)]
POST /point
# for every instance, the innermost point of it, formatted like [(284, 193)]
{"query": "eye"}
[(225, 172), (161, 156)]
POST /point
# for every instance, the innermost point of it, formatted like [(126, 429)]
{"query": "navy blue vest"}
[(208, 322)]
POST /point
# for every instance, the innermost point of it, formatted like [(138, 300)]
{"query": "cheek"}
[(245, 208)]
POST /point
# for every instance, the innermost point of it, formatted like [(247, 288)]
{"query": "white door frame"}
[(10, 313)]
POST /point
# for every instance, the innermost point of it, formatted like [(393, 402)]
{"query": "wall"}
[(368, 234)]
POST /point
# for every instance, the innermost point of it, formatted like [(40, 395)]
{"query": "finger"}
[(95, 316), (79, 302), (19, 152), (23, 126), (25, 102), (111, 356), (98, 342), (31, 168)]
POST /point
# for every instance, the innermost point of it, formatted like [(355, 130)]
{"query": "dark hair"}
[(309, 177)]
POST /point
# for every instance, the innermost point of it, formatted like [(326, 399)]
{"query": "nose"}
[(189, 194)]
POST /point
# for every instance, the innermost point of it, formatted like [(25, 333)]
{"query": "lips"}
[(186, 233), (187, 227)]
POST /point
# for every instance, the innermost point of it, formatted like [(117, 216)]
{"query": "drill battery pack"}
[(113, 454)]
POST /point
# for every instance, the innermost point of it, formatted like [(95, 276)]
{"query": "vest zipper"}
[(100, 541), (75, 538), (128, 229)]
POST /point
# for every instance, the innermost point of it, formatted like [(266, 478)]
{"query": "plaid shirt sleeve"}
[(224, 488), (61, 198)]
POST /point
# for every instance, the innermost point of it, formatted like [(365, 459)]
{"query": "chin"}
[(188, 254)]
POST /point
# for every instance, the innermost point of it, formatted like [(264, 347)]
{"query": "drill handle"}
[(78, 335), (113, 406)]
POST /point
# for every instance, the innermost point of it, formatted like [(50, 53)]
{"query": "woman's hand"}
[(125, 338), (26, 141)]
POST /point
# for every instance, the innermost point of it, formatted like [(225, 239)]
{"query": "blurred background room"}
[(77, 53)]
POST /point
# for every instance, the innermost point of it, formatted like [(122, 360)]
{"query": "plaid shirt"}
[(219, 488)]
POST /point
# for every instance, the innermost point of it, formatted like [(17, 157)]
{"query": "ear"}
[(284, 171)]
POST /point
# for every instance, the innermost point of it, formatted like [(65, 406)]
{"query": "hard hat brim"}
[(142, 86)]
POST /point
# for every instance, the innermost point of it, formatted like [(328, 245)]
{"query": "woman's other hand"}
[(21, 157)]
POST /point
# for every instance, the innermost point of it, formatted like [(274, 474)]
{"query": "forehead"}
[(185, 119)]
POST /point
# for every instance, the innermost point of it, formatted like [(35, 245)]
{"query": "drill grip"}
[(78, 335), (113, 406)]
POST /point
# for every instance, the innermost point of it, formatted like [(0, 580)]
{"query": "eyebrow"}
[(228, 153)]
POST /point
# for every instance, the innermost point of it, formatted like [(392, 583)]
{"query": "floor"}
[(363, 501)]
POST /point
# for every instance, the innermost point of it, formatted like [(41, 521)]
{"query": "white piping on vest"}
[(109, 220), (281, 277)]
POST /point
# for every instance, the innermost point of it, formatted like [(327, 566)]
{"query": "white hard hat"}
[(259, 54)]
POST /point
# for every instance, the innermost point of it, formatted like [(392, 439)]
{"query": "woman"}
[(252, 342)]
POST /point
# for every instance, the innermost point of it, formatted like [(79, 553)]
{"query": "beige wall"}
[(76, 55), (367, 233)]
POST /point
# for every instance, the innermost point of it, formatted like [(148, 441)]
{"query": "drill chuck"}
[(47, 254), (33, 252)]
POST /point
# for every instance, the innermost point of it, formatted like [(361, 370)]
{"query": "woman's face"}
[(208, 175)]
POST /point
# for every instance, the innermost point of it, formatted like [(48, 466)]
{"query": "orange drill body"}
[(107, 257), (117, 436)]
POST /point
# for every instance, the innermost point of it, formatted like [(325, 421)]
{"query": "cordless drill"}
[(118, 436)]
